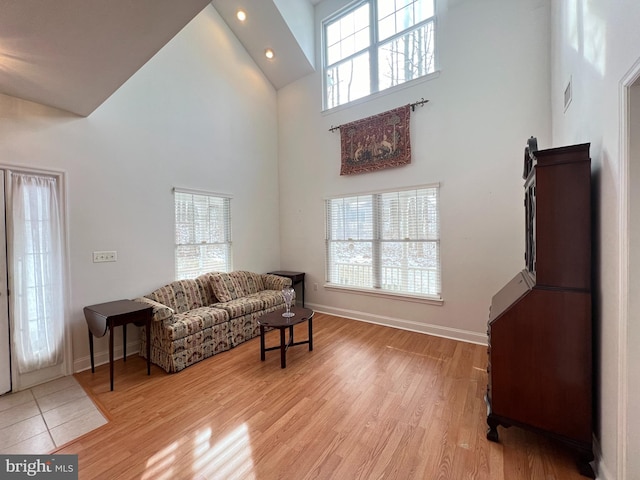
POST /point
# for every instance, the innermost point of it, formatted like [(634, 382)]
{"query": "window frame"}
[(373, 51), (227, 243), (377, 241)]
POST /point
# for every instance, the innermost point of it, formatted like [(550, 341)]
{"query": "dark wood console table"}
[(107, 316), (296, 278)]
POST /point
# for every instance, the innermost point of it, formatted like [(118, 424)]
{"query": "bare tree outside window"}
[(407, 57), (397, 37)]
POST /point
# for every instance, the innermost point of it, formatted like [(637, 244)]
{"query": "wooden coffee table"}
[(276, 320)]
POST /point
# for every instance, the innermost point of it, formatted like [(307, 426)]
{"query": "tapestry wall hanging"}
[(377, 142)]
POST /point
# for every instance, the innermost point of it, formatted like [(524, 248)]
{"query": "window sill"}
[(383, 294), (381, 93)]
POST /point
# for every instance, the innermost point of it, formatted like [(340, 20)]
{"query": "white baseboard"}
[(102, 358), (436, 330)]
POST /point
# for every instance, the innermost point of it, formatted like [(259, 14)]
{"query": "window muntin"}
[(393, 19), (375, 45), (202, 234), (403, 59), (348, 35), (386, 241), (349, 79)]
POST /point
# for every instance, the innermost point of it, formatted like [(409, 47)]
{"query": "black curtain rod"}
[(419, 103)]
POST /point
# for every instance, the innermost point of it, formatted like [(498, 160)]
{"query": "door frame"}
[(626, 273), (6, 377)]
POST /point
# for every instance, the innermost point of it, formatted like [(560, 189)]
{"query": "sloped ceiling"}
[(73, 54), (285, 26)]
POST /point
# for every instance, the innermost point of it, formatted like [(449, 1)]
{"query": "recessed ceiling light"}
[(241, 15), (269, 53)]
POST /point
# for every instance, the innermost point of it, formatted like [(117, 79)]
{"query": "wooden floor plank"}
[(368, 402)]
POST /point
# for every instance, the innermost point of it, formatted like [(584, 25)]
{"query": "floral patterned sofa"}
[(196, 318)]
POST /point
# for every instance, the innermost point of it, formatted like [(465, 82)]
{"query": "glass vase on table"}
[(288, 294)]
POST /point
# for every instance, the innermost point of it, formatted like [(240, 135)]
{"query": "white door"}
[(34, 269), (5, 352)]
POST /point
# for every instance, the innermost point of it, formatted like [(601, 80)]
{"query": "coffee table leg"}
[(310, 334), (283, 349), (262, 343)]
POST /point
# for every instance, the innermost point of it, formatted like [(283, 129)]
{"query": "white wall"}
[(492, 93), (596, 42), (198, 115)]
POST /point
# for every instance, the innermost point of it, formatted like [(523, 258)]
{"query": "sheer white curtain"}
[(36, 271)]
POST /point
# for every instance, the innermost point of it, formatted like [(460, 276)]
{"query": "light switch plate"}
[(105, 256)]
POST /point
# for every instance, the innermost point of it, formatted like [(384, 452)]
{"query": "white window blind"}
[(387, 241), (203, 233)]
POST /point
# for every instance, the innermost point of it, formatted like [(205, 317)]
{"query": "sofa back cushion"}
[(233, 285), (205, 283), (181, 295), (249, 282)]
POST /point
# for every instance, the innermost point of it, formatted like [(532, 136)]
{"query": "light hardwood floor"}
[(369, 402)]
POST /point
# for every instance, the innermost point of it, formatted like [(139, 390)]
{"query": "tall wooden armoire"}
[(540, 323)]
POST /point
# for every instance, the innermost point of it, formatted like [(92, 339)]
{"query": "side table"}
[(107, 316), (296, 278), (276, 320)]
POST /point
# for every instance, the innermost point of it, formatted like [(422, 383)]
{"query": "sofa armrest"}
[(275, 282), (160, 312)]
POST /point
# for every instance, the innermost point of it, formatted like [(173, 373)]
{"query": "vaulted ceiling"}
[(285, 26), (73, 54)]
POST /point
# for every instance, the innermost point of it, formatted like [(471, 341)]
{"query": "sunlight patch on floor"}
[(159, 466), (228, 458)]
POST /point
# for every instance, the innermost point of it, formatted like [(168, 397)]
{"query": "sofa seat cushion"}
[(264, 300), (195, 321), (234, 285)]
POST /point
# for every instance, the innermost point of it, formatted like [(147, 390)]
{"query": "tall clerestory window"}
[(373, 45)]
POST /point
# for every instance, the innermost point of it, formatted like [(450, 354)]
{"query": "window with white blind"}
[(203, 233), (386, 242), (373, 45)]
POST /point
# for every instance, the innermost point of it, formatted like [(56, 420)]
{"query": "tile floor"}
[(38, 420)]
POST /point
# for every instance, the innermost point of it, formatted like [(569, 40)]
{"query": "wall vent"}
[(567, 94)]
